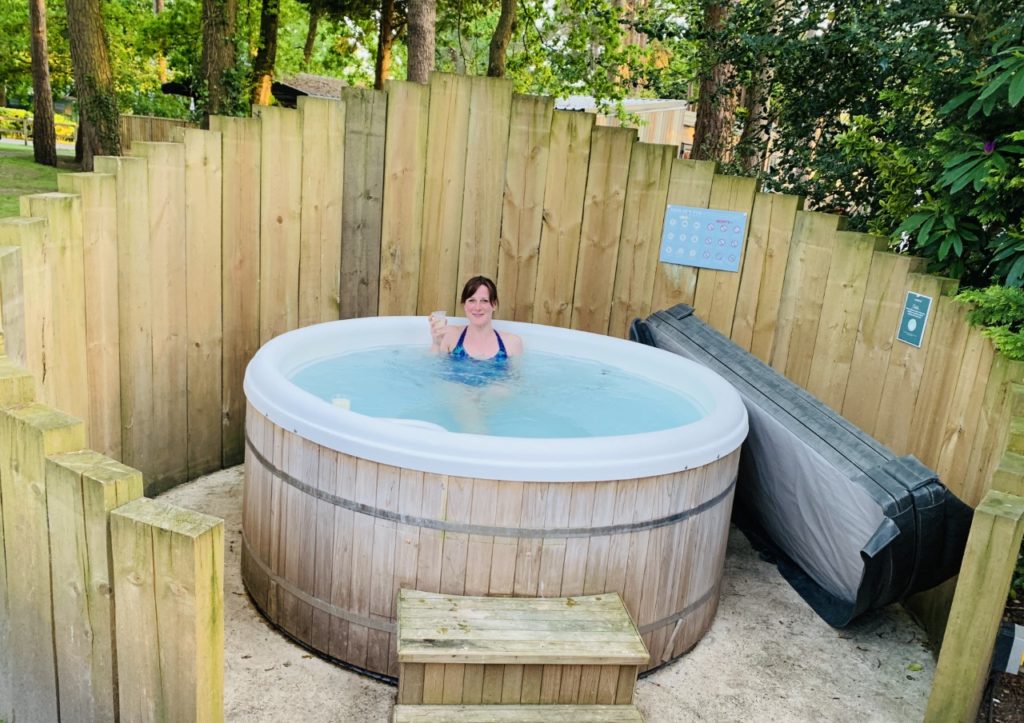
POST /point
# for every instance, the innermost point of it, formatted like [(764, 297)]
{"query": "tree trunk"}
[(500, 39), (161, 59), (754, 139), (382, 69), (716, 103), (422, 39), (315, 12), (44, 135), (266, 56), (99, 125), (219, 18)]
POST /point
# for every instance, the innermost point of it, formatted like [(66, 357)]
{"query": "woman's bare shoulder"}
[(513, 344), (451, 337)]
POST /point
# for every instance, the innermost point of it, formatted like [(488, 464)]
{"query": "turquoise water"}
[(535, 395)]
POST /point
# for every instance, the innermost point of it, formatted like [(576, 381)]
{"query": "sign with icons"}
[(704, 237)]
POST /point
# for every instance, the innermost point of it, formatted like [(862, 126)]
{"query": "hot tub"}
[(342, 510)]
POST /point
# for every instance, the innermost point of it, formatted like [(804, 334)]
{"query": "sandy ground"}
[(767, 656)]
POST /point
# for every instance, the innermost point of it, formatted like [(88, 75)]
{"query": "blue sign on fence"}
[(704, 237), (914, 319)]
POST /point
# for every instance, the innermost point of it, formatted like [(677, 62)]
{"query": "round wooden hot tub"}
[(341, 511)]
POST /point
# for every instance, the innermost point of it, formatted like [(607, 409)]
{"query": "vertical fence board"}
[(564, 194), (323, 174), (17, 386), (965, 406), (610, 151), (938, 382), (752, 270), (523, 204), (840, 316), (715, 296), (490, 104), (64, 382), (879, 322), (240, 266), (405, 165), (690, 186), (167, 463), (769, 299), (802, 293), (362, 194), (29, 236), (169, 585), (81, 490), (99, 239), (906, 366), (650, 169), (280, 220), (135, 325), (447, 128), (203, 322), (29, 433), (12, 304), (992, 428)]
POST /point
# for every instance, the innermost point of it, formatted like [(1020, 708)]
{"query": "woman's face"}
[(478, 307)]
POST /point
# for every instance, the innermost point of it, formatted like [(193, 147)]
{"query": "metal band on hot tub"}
[(446, 526), (387, 627)]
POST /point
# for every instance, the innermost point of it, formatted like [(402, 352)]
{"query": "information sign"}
[(914, 318), (708, 238)]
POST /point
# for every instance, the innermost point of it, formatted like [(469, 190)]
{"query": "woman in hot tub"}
[(478, 340)]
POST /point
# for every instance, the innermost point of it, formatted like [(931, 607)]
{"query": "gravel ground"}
[(767, 657)]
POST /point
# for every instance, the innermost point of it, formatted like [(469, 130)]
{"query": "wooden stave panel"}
[(373, 539)]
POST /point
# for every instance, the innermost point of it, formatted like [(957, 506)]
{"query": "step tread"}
[(517, 713), (585, 630)]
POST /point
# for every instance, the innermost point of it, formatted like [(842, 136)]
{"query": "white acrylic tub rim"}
[(587, 459)]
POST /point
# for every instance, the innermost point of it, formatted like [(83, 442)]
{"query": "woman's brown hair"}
[(475, 283)]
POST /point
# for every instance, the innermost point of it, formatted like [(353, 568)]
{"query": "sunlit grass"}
[(20, 175)]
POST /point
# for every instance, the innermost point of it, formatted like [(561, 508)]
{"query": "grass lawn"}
[(20, 175)]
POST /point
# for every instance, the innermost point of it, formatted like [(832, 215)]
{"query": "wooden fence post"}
[(81, 489), (985, 574), (16, 387), (169, 585), (12, 304), (28, 433)]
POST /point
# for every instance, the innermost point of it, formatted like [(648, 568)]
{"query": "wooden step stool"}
[(456, 650), (517, 714)]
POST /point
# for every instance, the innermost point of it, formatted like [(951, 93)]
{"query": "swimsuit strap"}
[(502, 354), (458, 350)]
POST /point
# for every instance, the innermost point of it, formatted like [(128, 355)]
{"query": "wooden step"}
[(456, 649), (517, 714)]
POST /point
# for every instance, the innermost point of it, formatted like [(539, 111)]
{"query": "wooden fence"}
[(149, 128), (76, 536), (150, 283)]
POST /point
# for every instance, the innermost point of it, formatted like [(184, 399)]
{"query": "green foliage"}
[(999, 311), (22, 175)]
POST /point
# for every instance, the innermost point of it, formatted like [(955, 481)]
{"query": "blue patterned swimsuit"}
[(477, 372)]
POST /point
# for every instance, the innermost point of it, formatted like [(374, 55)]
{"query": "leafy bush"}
[(999, 310)]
